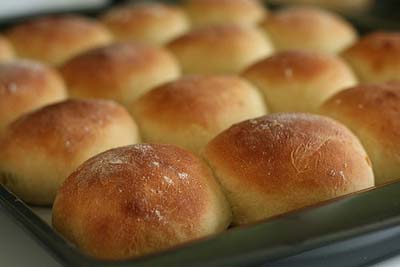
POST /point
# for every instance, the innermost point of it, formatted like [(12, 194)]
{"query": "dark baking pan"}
[(352, 225), (354, 230)]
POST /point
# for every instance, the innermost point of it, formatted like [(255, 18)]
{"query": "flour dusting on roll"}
[(139, 199), (372, 112), (40, 149), (25, 86), (281, 162)]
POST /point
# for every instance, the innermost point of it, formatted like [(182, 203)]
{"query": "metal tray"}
[(348, 224), (353, 230)]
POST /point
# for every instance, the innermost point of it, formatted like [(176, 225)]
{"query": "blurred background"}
[(366, 14)]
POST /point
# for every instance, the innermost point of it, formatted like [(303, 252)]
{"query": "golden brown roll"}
[(25, 86), (55, 39), (121, 71), (139, 199), (308, 28), (151, 23), (6, 50), (282, 162), (294, 81), (190, 111), (220, 49), (211, 12), (376, 57), (40, 149), (372, 112)]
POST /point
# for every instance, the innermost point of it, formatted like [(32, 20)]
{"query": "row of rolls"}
[(160, 124)]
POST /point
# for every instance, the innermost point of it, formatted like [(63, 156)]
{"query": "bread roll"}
[(25, 86), (211, 12), (139, 199), (121, 71), (372, 112), (40, 149), (376, 57), (6, 51), (190, 111), (55, 39), (294, 81), (308, 28), (221, 49), (282, 162), (152, 23)]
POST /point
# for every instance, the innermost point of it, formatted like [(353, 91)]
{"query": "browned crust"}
[(283, 154), (371, 107), (379, 50), (134, 200), (54, 38), (193, 100), (25, 86), (135, 20), (307, 26), (61, 129), (107, 72), (292, 66)]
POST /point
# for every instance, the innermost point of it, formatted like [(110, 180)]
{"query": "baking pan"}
[(350, 224), (354, 230)]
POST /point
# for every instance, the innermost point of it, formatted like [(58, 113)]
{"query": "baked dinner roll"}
[(308, 28), (295, 81), (376, 57), (152, 23), (139, 199), (39, 150), (372, 112), (25, 86), (6, 51), (209, 12), (120, 71), (190, 111), (54, 39), (282, 162), (220, 49)]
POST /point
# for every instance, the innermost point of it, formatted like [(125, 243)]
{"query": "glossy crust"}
[(299, 81), (190, 111), (308, 28), (40, 149), (285, 162), (376, 57), (211, 12), (151, 23), (139, 199), (6, 50), (54, 39), (220, 49), (372, 112), (26, 86), (120, 71)]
